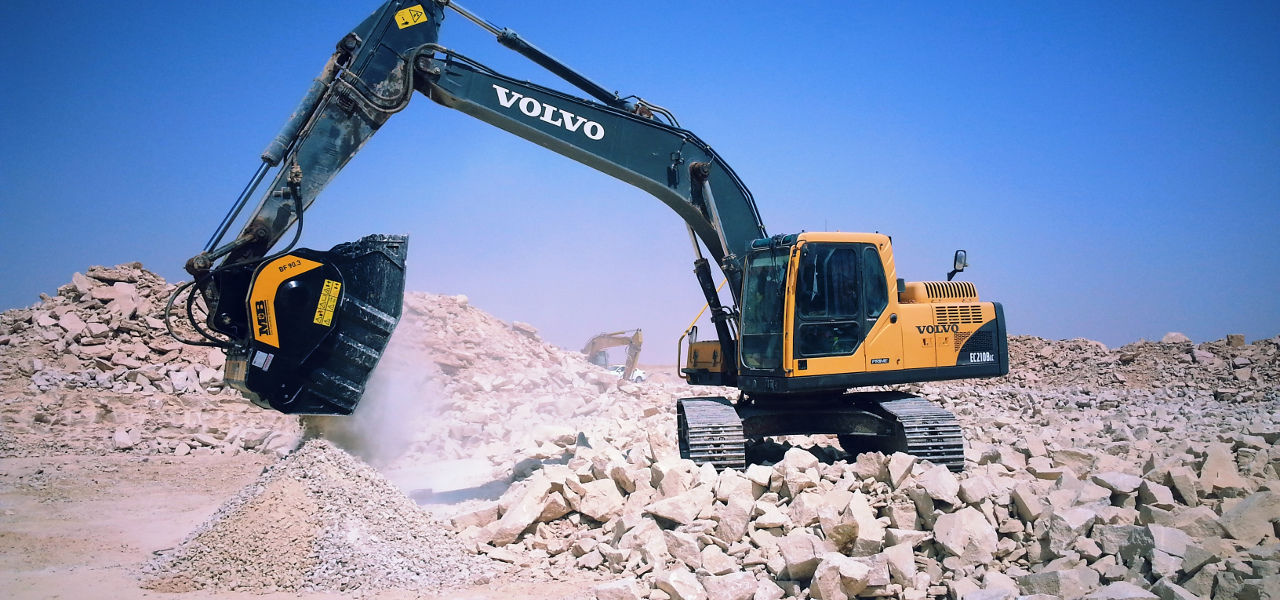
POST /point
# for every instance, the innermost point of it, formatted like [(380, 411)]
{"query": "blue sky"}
[(1113, 169)]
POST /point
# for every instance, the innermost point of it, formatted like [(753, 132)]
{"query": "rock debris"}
[(1145, 471), (318, 520), (93, 370)]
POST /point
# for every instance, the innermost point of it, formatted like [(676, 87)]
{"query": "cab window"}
[(828, 300), (876, 290), (762, 310)]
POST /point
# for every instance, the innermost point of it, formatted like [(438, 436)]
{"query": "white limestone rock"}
[(733, 586), (940, 484), (1068, 584), (600, 500), (627, 588), (1250, 520), (680, 584), (838, 577), (801, 552), (1121, 590), (966, 534)]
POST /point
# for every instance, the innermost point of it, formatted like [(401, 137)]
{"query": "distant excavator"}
[(596, 350)]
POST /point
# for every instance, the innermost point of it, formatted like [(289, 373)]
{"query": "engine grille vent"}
[(958, 315), (979, 341), (950, 289)]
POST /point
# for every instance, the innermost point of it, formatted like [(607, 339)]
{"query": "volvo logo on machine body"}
[(549, 114), (952, 328)]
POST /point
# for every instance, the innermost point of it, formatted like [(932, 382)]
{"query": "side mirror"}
[(960, 262)]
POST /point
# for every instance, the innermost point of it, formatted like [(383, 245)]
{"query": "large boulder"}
[(940, 484), (1068, 525), (1068, 584), (801, 551), (683, 508), (601, 500), (1121, 590), (733, 586), (839, 577), (680, 584), (967, 535), (1250, 520), (627, 588)]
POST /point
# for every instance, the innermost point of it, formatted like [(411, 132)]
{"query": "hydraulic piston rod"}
[(512, 40)]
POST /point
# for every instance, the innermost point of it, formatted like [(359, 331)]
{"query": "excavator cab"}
[(822, 313)]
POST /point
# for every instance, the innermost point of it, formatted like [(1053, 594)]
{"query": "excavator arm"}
[(366, 80), (303, 329)]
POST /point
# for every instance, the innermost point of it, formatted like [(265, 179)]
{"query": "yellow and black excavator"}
[(597, 350), (810, 315)]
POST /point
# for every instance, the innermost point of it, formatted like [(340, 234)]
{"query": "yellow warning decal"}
[(262, 297), (414, 15), (328, 300)]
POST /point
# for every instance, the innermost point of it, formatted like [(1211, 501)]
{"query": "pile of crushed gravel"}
[(318, 520)]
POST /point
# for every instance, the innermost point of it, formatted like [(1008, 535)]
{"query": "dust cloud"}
[(462, 404), (400, 397)]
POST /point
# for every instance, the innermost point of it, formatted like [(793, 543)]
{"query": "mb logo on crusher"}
[(260, 317)]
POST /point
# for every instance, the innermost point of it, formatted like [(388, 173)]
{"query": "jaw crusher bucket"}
[(319, 322)]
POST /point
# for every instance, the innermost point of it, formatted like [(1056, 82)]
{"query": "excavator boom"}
[(372, 75)]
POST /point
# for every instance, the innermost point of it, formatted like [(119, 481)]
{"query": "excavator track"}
[(928, 431), (711, 432)]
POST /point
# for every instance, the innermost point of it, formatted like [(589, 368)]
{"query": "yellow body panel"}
[(940, 330), (883, 347), (919, 350)]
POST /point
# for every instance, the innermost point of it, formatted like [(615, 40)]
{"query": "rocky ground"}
[(506, 467)]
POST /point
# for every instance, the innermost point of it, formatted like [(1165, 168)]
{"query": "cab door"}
[(829, 319)]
